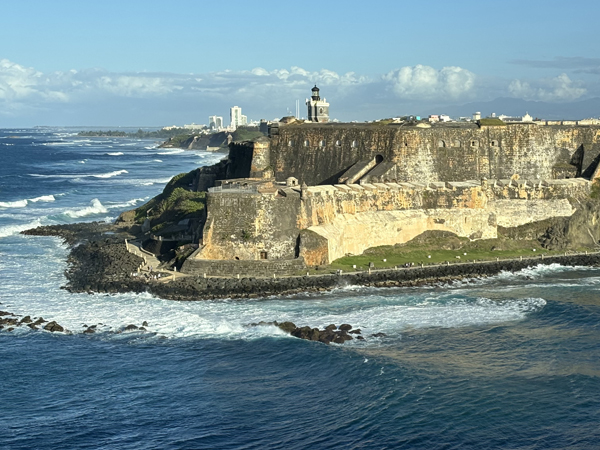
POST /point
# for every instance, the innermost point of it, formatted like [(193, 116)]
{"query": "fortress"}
[(310, 193)]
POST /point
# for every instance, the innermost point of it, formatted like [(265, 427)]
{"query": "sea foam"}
[(95, 208)]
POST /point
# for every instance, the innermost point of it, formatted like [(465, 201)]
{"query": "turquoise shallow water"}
[(512, 361)]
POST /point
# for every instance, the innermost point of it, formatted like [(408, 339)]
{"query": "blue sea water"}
[(512, 361)]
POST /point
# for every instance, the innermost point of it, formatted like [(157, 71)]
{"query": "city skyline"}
[(111, 64)]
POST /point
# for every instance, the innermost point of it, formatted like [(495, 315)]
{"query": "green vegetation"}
[(181, 140), (491, 122), (595, 192), (246, 134), (175, 203), (439, 247), (139, 134)]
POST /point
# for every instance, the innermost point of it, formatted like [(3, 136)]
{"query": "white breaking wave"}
[(171, 152), (43, 198), (126, 204), (115, 153), (84, 175), (157, 160), (23, 203), (15, 204), (110, 174), (11, 230), (95, 208)]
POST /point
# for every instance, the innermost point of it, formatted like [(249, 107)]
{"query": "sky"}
[(157, 63)]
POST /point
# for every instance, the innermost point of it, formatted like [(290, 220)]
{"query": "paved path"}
[(151, 262)]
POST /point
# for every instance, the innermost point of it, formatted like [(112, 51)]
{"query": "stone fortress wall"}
[(369, 185), (321, 153)]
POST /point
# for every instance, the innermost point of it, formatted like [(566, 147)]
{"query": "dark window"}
[(263, 255)]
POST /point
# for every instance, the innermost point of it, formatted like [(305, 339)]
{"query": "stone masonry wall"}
[(233, 268), (350, 218), (320, 153)]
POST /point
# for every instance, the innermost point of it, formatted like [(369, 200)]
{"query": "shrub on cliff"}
[(176, 202)]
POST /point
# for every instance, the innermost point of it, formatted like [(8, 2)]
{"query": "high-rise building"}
[(215, 122), (236, 117), (318, 110)]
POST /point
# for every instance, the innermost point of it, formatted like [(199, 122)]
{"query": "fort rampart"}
[(320, 153), (322, 223)]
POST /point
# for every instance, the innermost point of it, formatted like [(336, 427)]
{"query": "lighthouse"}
[(318, 110)]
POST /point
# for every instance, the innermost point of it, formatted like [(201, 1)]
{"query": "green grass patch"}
[(491, 122), (438, 248)]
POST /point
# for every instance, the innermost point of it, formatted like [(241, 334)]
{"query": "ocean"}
[(511, 361)]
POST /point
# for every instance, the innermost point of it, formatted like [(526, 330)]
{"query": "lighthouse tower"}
[(318, 110)]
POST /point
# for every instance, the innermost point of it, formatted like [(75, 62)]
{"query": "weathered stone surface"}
[(53, 327)]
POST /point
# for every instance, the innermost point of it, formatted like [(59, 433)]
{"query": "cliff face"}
[(320, 154)]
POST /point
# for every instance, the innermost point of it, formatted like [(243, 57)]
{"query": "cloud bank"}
[(96, 96)]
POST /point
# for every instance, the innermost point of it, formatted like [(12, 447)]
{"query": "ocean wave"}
[(95, 208), (171, 152), (111, 174), (43, 198), (115, 153), (11, 230), (15, 204), (129, 203), (157, 160), (75, 175)]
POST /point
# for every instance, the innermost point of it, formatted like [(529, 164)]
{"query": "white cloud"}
[(425, 82), (561, 88), (99, 96)]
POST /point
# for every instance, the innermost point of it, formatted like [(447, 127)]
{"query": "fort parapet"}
[(321, 153)]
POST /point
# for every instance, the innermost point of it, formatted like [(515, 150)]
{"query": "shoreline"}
[(100, 263)]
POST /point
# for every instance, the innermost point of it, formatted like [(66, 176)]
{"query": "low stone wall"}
[(198, 288), (233, 268)]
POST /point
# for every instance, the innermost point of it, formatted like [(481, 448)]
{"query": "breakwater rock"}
[(10, 321), (331, 333)]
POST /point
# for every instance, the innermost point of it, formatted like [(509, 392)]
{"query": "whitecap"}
[(43, 198), (15, 204), (129, 203), (157, 160), (110, 174), (171, 152), (95, 208), (115, 153), (11, 230)]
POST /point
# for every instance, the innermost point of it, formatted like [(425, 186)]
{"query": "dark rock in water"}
[(327, 336), (130, 327), (39, 321), (360, 338), (53, 327), (6, 313), (32, 326), (89, 330), (142, 328), (10, 329), (288, 327), (357, 331), (26, 319), (379, 335), (144, 323)]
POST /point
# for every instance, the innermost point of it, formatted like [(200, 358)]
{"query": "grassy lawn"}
[(438, 248)]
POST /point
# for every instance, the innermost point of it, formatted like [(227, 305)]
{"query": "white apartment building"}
[(236, 117)]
